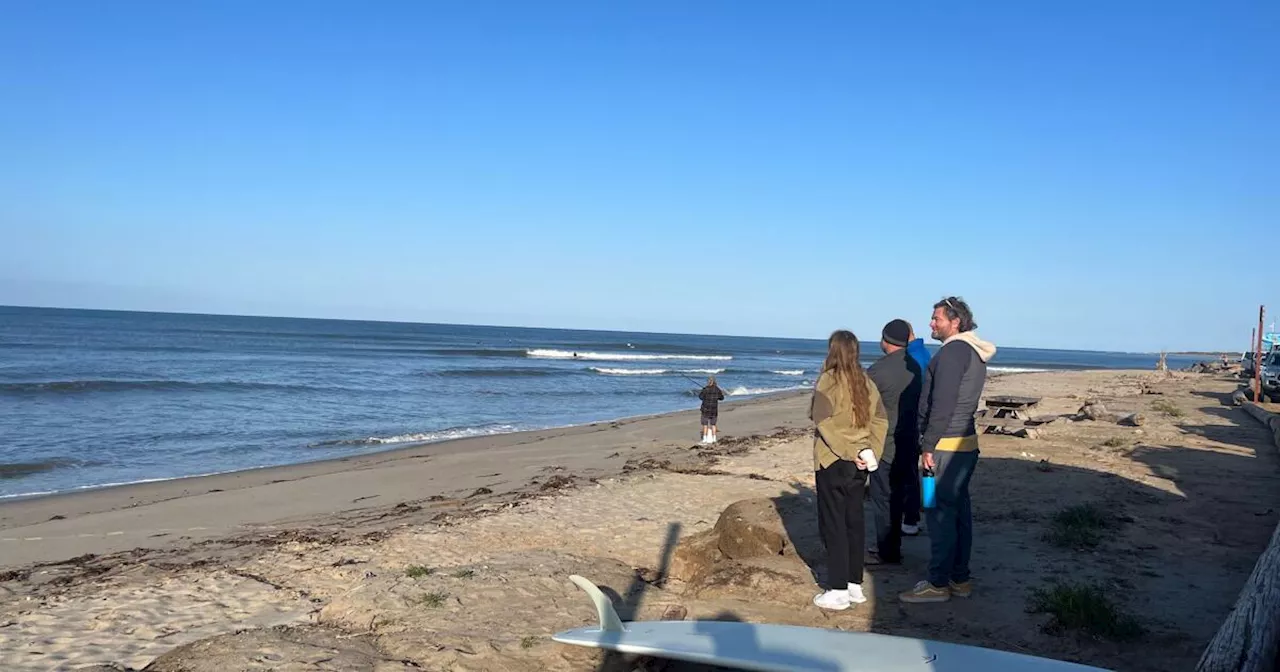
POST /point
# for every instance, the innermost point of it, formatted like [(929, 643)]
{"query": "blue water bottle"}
[(927, 490)]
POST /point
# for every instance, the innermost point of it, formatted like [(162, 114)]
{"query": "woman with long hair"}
[(850, 419)]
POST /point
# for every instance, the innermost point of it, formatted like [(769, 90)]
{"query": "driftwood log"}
[(1267, 418), (1094, 410), (1249, 640)]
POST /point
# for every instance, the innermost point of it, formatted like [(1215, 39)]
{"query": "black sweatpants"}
[(840, 491), (894, 488), (906, 476), (886, 512)]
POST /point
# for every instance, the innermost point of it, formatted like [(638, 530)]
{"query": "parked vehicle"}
[(1271, 376)]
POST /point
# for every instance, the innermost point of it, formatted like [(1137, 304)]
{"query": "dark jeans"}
[(840, 490), (889, 497), (951, 519)]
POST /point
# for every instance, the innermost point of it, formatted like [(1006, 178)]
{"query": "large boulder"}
[(1239, 397), (1094, 410), (751, 528), (752, 550), (695, 557)]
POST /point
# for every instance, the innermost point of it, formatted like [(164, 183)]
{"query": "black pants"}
[(886, 512), (840, 491), (895, 499), (906, 477)]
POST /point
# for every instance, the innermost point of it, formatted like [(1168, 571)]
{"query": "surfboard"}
[(768, 647)]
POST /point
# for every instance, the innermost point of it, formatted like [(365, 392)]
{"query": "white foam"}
[(116, 484), (1013, 369), (36, 493), (604, 370), (649, 372), (443, 435), (790, 372), (742, 391), (544, 353)]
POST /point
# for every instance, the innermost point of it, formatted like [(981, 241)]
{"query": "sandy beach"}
[(456, 555)]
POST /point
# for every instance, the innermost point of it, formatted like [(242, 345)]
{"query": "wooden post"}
[(1257, 358)]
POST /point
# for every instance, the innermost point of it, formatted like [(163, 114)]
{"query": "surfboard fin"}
[(609, 621)]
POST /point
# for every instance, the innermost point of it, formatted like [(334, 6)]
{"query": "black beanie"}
[(897, 332)]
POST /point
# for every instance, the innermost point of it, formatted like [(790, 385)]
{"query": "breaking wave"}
[(742, 391), (424, 437), (501, 373), (651, 372)]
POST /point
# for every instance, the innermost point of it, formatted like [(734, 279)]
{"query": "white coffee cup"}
[(867, 455)]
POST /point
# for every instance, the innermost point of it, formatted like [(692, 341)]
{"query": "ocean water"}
[(91, 398)]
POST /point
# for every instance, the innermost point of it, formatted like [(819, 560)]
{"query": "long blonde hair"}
[(842, 362)]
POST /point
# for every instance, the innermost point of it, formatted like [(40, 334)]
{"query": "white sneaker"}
[(835, 600), (855, 594), (910, 530)]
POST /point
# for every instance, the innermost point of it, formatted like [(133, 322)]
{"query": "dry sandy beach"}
[(456, 556)]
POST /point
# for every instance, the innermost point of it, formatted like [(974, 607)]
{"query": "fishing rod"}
[(701, 385)]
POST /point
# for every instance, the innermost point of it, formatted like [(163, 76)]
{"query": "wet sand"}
[(159, 514)]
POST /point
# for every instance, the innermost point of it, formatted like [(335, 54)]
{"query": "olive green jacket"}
[(837, 437)]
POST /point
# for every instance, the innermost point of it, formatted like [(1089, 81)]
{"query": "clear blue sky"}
[(1087, 174)]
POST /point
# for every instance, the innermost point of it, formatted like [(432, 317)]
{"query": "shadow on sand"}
[(1197, 509)]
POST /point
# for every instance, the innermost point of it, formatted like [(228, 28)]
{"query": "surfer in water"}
[(711, 396)]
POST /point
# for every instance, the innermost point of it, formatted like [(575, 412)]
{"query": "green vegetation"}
[(1079, 527), (434, 599), (1085, 608)]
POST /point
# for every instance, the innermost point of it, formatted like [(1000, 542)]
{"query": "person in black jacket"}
[(711, 396), (899, 379)]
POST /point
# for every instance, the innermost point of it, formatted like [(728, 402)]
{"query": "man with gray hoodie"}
[(949, 447)]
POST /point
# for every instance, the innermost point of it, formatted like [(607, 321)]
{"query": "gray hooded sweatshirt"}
[(952, 390)]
